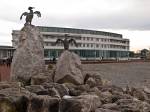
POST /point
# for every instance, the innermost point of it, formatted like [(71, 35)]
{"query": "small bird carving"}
[(29, 15)]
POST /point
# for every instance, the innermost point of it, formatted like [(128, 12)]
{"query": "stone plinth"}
[(68, 69), (28, 59)]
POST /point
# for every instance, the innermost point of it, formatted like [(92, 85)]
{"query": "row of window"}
[(95, 39), (90, 39), (119, 41), (87, 39), (61, 37), (90, 45), (86, 45), (6, 53), (78, 31), (88, 53), (103, 46)]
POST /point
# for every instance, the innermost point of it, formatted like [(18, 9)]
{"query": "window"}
[(97, 45), (51, 37), (46, 43), (45, 53), (83, 45), (79, 45), (79, 38), (87, 45)]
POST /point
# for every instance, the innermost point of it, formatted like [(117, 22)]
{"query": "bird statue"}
[(29, 15), (66, 42)]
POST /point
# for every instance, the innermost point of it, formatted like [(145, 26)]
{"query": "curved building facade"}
[(92, 44)]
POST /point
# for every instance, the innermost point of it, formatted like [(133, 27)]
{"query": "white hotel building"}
[(91, 44)]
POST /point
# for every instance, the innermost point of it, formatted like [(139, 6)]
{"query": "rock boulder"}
[(68, 69), (28, 59), (82, 103)]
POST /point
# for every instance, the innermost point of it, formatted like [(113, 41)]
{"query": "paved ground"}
[(121, 74)]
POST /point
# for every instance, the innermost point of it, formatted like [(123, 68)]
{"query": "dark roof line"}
[(75, 30), (6, 47)]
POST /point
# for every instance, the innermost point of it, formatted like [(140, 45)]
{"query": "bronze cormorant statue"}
[(29, 16), (66, 42)]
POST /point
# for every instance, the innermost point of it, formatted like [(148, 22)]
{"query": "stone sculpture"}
[(68, 67), (28, 59), (66, 42), (29, 16)]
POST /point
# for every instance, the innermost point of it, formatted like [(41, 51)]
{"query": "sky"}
[(128, 17)]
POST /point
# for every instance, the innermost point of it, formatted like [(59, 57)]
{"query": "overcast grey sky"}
[(128, 17)]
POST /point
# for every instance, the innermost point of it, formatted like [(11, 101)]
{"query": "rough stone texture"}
[(54, 97), (111, 106), (21, 100), (4, 85), (105, 110), (133, 105), (56, 89), (68, 69), (83, 103), (43, 103), (41, 78), (28, 58), (37, 89), (139, 94), (12, 100), (106, 97), (93, 79)]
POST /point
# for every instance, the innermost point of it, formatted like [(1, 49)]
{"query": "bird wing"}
[(59, 41), (23, 14), (38, 13), (73, 41)]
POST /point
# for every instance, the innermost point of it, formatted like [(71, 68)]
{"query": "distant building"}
[(6, 52), (144, 54), (92, 44), (148, 55)]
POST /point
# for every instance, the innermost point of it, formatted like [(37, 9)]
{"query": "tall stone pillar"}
[(28, 59)]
